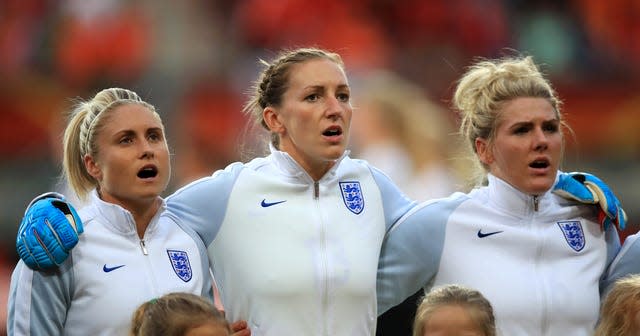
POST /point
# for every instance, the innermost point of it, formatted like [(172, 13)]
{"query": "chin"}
[(150, 191), (335, 153), (333, 157)]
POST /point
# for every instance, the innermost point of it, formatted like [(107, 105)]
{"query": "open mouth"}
[(148, 172), (333, 131), (539, 164)]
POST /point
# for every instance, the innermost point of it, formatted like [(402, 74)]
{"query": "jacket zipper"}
[(323, 238), (544, 322), (144, 247), (149, 266)]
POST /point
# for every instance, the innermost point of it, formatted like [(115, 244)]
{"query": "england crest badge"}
[(573, 233), (352, 196), (180, 262)]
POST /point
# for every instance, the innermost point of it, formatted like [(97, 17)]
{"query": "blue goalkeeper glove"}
[(589, 189), (48, 231)]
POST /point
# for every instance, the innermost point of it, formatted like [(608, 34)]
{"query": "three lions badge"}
[(180, 262), (352, 196), (573, 233)]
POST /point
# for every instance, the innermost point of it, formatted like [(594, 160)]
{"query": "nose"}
[(541, 142), (147, 150), (335, 108), (147, 155)]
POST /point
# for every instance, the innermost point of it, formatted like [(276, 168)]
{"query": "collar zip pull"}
[(144, 247)]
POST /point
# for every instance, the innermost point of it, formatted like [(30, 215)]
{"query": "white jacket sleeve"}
[(38, 301), (411, 251), (625, 262)]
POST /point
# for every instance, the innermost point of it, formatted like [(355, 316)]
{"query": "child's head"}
[(454, 310), (179, 314), (620, 311)]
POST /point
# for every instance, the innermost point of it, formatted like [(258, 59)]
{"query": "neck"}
[(141, 210), (143, 214), (315, 168), (318, 171)]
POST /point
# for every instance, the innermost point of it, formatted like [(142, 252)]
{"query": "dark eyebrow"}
[(530, 124), (521, 124), (125, 132), (131, 132), (154, 129), (314, 87)]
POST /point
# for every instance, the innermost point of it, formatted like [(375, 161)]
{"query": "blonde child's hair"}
[(620, 311), (473, 301), (174, 314)]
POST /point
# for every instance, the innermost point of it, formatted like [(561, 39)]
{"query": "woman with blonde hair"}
[(116, 158), (539, 258)]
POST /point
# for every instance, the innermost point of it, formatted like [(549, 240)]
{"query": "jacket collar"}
[(290, 167), (119, 218), (505, 197)]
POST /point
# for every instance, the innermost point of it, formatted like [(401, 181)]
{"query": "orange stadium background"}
[(195, 61)]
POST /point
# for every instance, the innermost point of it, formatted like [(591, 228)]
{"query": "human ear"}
[(92, 167), (483, 149), (272, 118)]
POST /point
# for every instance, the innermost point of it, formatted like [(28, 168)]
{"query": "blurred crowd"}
[(195, 60)]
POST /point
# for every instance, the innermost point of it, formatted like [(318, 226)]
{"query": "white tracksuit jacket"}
[(538, 260), (109, 274), (290, 256)]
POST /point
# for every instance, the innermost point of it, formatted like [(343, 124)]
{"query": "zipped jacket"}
[(109, 273), (290, 255), (539, 260)]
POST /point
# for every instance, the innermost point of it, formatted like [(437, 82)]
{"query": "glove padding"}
[(589, 189), (48, 231)]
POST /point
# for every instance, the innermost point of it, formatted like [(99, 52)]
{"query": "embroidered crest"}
[(180, 263), (352, 196), (573, 233)]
